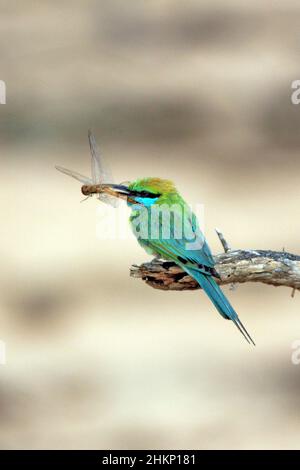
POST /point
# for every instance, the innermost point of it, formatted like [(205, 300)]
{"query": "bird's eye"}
[(147, 194)]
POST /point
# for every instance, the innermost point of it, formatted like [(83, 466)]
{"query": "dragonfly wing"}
[(95, 161), (100, 171), (74, 174), (112, 201)]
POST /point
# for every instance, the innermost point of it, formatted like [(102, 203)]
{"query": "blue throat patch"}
[(144, 201)]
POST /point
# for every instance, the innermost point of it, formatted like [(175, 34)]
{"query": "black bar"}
[(139, 458)]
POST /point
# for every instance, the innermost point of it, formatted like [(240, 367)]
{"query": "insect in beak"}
[(115, 190)]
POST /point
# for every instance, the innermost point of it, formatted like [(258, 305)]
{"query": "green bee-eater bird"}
[(167, 228)]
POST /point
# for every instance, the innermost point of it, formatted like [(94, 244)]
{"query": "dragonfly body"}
[(89, 189)]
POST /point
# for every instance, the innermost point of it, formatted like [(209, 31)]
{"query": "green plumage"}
[(166, 227)]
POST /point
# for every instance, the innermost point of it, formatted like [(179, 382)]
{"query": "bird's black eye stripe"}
[(145, 194)]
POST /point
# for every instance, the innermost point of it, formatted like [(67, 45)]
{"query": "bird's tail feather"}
[(219, 300)]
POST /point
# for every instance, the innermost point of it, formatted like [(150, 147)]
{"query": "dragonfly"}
[(101, 176)]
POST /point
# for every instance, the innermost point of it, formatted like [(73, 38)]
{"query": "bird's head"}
[(145, 191)]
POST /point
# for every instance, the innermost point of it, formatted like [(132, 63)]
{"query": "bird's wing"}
[(190, 252), (175, 250), (205, 250)]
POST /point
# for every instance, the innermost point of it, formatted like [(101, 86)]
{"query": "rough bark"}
[(234, 266)]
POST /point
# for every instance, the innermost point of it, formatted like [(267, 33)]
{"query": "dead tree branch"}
[(234, 266)]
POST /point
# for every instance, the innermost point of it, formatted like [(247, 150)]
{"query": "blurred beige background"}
[(195, 91)]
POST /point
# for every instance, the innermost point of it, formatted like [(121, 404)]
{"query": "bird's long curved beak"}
[(116, 190)]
